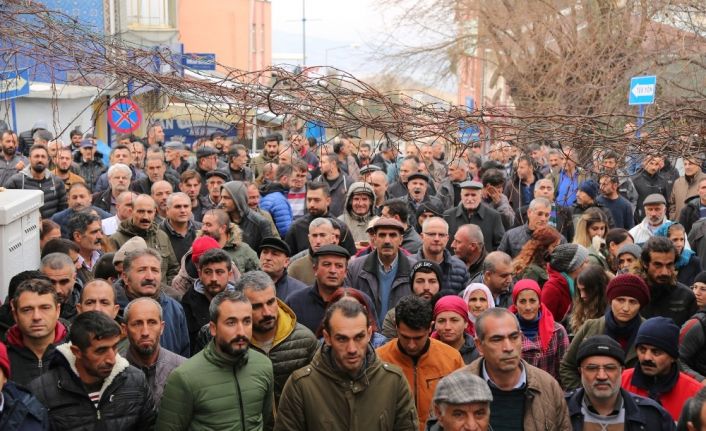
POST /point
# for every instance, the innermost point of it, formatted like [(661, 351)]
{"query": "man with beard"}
[(79, 199), (142, 224), (11, 161), (160, 192), (119, 176), (85, 229), (669, 298), (37, 177), (600, 402), (89, 385), (217, 225), (214, 269), (234, 200), (144, 325), (179, 225), (418, 194), (657, 375), (321, 233), (226, 385), (269, 154), (274, 259), (237, 161), (62, 168), (60, 269), (88, 167)]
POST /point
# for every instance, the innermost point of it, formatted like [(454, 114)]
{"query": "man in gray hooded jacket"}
[(234, 200), (359, 210)]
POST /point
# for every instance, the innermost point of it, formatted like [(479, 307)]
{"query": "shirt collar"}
[(520, 383), (392, 266)]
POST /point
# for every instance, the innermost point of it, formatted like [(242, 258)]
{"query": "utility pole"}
[(303, 33)]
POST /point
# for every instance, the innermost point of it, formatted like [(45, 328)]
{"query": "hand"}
[(19, 166)]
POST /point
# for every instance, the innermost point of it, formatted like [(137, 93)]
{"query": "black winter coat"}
[(195, 305), (487, 219), (90, 171), (647, 184), (125, 403), (691, 213), (298, 234), (53, 188), (675, 302), (21, 411)]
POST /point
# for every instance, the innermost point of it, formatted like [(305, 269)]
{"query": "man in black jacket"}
[(20, 411), (472, 210), (89, 383), (234, 200), (648, 181), (89, 167)]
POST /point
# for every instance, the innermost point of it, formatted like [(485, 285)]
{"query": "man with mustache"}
[(12, 161), (141, 278), (669, 298), (143, 326), (600, 402), (214, 267), (85, 229), (89, 385), (274, 260), (524, 397), (227, 385), (418, 194), (655, 210), (36, 176), (63, 164), (60, 269), (657, 375)]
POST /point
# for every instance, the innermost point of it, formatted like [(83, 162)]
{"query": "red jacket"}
[(672, 401), (556, 295)]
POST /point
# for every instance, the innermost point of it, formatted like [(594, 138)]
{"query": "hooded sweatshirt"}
[(253, 225), (358, 224)]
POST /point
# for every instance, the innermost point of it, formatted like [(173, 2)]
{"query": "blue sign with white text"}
[(14, 83), (642, 90), (198, 61)]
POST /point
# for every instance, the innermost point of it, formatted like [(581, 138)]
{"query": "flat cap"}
[(332, 250), (205, 151), (133, 244), (370, 169), (418, 176), (371, 223), (217, 173), (462, 387), (275, 244), (471, 185), (174, 145), (654, 198), (388, 223)]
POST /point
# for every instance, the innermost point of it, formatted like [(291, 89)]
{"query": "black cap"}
[(217, 173), (332, 250), (275, 244), (600, 345), (273, 137), (369, 169), (218, 134), (418, 176), (205, 151)]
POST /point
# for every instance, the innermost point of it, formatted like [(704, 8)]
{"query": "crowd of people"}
[(350, 286)]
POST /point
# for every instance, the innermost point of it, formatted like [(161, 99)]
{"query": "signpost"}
[(124, 116), (199, 61), (14, 84), (642, 92)]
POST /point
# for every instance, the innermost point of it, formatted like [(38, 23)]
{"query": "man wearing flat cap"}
[(175, 156), (383, 275), (461, 402), (655, 215), (473, 210), (418, 194), (600, 403), (274, 260)]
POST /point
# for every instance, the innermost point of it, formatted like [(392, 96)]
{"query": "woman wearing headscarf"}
[(626, 294), (544, 341), (478, 298), (452, 326)]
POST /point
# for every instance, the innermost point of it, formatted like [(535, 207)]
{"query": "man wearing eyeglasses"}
[(600, 403), (435, 235)]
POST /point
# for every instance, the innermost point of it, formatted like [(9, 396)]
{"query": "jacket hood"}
[(239, 193), (275, 187), (121, 364), (26, 172), (286, 322), (235, 237), (14, 336), (360, 187), (198, 287), (324, 363)]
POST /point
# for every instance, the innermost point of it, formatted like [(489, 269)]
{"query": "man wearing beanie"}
[(19, 409), (600, 403), (585, 199), (626, 295), (565, 264), (657, 375)]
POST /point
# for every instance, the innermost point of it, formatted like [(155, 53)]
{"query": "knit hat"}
[(4, 361), (700, 277), (201, 246), (568, 257), (628, 285), (462, 387), (600, 345), (525, 284), (133, 244), (455, 304), (632, 249), (590, 187), (426, 264), (660, 332)]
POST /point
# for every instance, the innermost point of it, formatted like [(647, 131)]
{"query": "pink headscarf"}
[(467, 295), (546, 319), (457, 305)]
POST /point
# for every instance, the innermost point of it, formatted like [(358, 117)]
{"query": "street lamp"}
[(333, 48)]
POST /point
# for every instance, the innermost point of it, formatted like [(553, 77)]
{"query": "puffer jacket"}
[(24, 363), (242, 254), (7, 167), (293, 347), (358, 224), (454, 271), (211, 391), (187, 276), (545, 408), (22, 411), (52, 187), (274, 201), (690, 213), (253, 226), (125, 400), (684, 188), (321, 397), (437, 361), (90, 171), (155, 238), (692, 342)]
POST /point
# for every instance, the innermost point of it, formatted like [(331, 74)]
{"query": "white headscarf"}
[(472, 288)]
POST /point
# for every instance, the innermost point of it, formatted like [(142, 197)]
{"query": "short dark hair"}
[(691, 412), (189, 174), (226, 295), (40, 286), (283, 170), (319, 185), (119, 147), (79, 222), (397, 207), (414, 312), (47, 226), (17, 279), (610, 154), (350, 309), (497, 313), (215, 255), (74, 133), (60, 245), (494, 177), (92, 325), (657, 244), (36, 147), (104, 267)]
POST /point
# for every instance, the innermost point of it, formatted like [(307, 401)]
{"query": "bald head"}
[(99, 295)]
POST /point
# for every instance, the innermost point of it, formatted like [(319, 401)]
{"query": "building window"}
[(149, 13)]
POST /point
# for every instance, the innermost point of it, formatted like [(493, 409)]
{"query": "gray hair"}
[(495, 258), (119, 167), (544, 180), (160, 183), (254, 280), (126, 313), (57, 261), (226, 295), (320, 221), (435, 219), (496, 312), (171, 197), (130, 257), (474, 233), (544, 202)]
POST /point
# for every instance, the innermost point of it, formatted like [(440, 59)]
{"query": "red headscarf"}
[(457, 305), (546, 319)]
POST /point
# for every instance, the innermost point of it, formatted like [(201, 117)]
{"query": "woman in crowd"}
[(688, 264), (565, 264), (478, 298), (614, 240), (590, 232), (48, 231), (532, 260), (590, 303), (545, 341), (627, 294), (692, 347), (350, 294), (452, 326)]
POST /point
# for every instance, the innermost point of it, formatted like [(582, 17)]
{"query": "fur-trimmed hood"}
[(121, 364)]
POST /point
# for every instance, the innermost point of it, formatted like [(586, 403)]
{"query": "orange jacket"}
[(438, 361)]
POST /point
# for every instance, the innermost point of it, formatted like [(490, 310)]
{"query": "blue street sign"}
[(642, 90), (199, 61), (14, 83)]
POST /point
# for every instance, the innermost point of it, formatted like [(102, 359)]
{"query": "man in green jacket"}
[(226, 386), (346, 386)]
